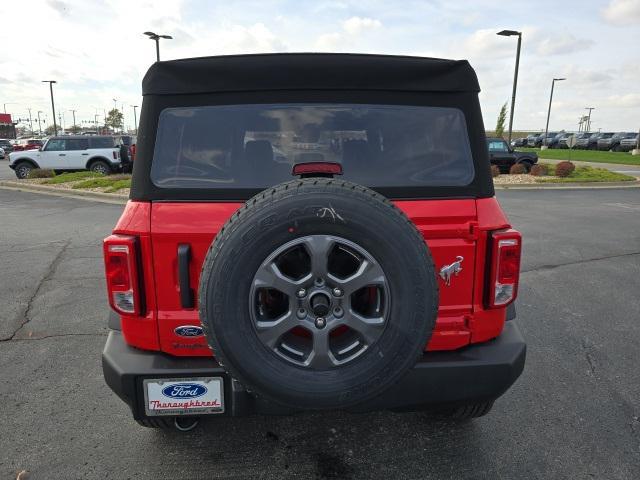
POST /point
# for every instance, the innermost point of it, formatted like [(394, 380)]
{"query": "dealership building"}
[(7, 128)]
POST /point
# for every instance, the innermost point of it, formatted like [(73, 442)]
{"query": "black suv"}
[(555, 141), (504, 157), (545, 139)]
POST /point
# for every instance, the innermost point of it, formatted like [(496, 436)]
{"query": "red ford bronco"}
[(311, 231)]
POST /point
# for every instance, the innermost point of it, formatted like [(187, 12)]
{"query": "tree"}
[(49, 130), (502, 116), (75, 128), (114, 119)]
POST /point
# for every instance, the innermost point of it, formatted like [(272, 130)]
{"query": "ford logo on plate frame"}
[(189, 331), (184, 390)]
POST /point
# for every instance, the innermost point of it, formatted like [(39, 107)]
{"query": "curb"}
[(112, 198), (568, 185)]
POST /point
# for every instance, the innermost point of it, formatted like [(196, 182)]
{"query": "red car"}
[(311, 232), (27, 144)]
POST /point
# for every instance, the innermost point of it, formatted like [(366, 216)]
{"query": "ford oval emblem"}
[(184, 390), (189, 331)]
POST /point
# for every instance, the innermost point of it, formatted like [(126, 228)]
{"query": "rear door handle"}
[(63, 154), (85, 154), (184, 259)]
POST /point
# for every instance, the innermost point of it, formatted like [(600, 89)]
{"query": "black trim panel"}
[(184, 260)]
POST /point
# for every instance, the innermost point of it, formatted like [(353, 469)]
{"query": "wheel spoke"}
[(321, 356), (270, 276), (271, 331), (318, 248), (369, 273), (368, 327)]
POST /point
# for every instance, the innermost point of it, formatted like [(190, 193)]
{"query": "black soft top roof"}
[(308, 71)]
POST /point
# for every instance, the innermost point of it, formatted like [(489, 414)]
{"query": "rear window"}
[(249, 146)]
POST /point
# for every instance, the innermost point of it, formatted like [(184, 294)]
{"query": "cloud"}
[(563, 44), (629, 100), (330, 41), (484, 43), (584, 77), (357, 25), (622, 12), (487, 44), (241, 39), (351, 28), (59, 6)]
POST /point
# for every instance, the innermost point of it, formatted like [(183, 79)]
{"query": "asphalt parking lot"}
[(573, 414)]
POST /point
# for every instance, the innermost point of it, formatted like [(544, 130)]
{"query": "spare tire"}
[(318, 294)]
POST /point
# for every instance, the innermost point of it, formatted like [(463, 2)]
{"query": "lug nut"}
[(320, 322), (301, 293), (337, 292)]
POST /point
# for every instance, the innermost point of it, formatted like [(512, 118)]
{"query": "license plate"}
[(183, 396)]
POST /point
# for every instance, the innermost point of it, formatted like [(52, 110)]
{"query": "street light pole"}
[(30, 122), (135, 118), (53, 107), (589, 118), (123, 123), (546, 129), (74, 120), (156, 38), (40, 122), (8, 103), (509, 33)]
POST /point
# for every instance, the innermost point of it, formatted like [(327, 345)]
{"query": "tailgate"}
[(448, 226)]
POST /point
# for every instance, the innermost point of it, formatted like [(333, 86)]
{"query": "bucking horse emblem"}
[(450, 270)]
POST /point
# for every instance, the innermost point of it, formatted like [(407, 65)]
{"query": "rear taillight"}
[(506, 247), (122, 274)]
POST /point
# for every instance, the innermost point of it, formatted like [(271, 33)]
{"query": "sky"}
[(96, 52)]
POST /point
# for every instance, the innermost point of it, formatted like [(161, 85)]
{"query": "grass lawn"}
[(623, 158), (111, 183), (588, 174), (71, 177)]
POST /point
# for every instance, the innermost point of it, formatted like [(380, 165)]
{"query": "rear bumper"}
[(477, 373)]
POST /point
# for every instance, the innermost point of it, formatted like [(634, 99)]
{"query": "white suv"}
[(96, 153)]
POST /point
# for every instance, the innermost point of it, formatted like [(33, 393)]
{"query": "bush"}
[(564, 169), (41, 173), (495, 171), (539, 170), (517, 169)]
